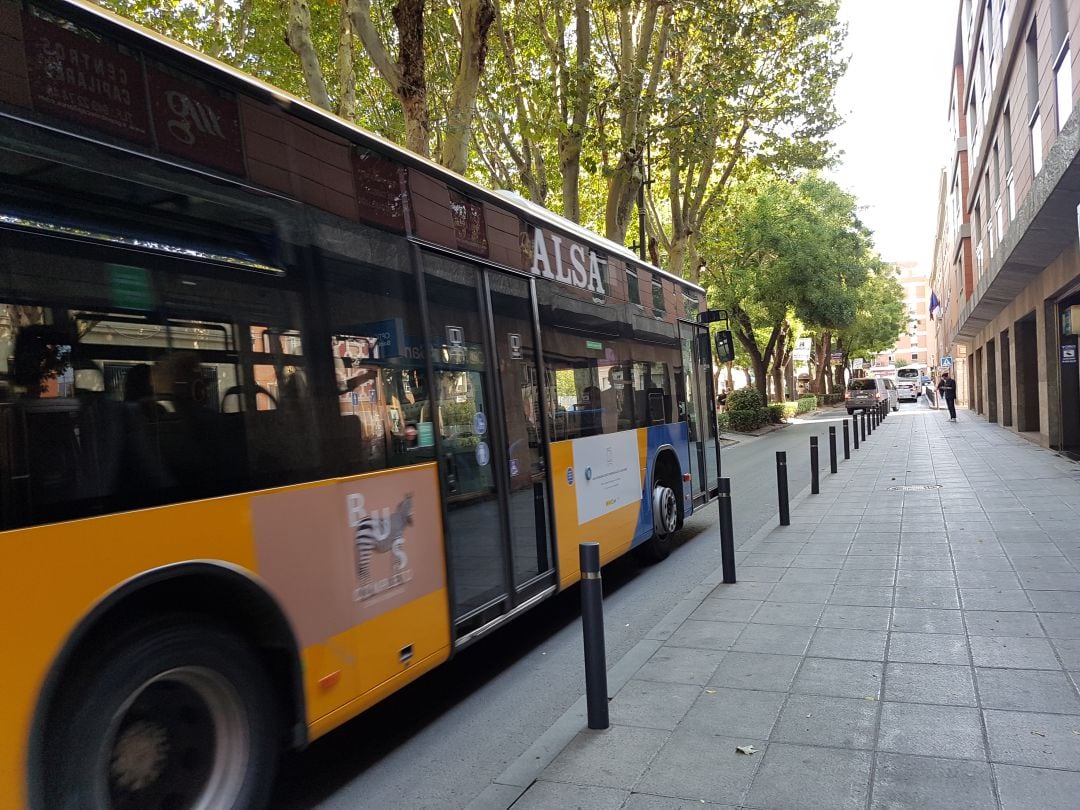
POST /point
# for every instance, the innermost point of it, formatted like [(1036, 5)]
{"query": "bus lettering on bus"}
[(576, 275)]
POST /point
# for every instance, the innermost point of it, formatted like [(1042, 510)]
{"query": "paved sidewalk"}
[(890, 648)]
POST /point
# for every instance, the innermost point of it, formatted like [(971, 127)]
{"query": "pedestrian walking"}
[(947, 389)]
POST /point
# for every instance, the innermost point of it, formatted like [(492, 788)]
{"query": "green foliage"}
[(880, 314), (789, 409), (745, 399), (743, 421), (806, 404), (777, 412)]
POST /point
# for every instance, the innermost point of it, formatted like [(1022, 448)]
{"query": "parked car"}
[(909, 382), (866, 392)]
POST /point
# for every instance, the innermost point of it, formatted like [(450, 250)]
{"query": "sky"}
[(894, 99)]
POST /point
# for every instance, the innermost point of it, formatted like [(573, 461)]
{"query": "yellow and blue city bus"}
[(287, 415)]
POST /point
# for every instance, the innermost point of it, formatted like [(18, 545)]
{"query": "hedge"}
[(744, 419), (744, 399), (776, 412), (806, 404)]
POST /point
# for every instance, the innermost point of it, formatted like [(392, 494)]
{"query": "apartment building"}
[(917, 343), (1007, 260)]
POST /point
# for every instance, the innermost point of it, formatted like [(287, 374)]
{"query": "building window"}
[(1010, 181), (1063, 85), (658, 298), (633, 292), (915, 356), (1036, 143), (1004, 17)]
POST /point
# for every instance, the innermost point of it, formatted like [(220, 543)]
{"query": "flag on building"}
[(935, 305)]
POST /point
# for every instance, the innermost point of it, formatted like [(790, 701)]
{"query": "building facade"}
[(917, 343), (1008, 260)]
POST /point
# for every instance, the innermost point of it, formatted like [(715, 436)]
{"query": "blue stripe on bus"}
[(677, 435)]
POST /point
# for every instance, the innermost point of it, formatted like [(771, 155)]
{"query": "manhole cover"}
[(914, 487)]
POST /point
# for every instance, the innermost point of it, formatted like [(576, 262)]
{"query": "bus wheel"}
[(665, 509), (176, 714)]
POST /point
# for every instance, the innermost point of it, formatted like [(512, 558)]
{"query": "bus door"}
[(699, 408), (492, 459)]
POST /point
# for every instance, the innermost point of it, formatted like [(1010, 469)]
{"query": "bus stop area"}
[(911, 639)]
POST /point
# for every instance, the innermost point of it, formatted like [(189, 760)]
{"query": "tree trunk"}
[(571, 139), (476, 19), (346, 106), (298, 38), (412, 64), (825, 364)]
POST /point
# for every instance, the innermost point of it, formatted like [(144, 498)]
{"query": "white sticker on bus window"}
[(483, 455)]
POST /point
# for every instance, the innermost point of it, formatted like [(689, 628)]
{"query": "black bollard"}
[(870, 422), (832, 449), (727, 533), (855, 430), (847, 441), (862, 424), (592, 630), (814, 488), (781, 487)]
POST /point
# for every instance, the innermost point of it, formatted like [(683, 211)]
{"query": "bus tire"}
[(666, 520), (177, 712)]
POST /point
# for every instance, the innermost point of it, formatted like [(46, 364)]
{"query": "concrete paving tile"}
[(993, 599), (1002, 623), (774, 638), (867, 645), (924, 596), (1069, 650), (817, 576), (866, 576), (706, 635), (1055, 601), (924, 563), (801, 776), (903, 781), (1001, 580), (681, 665), (838, 678), (801, 592), (746, 670), (647, 801), (1030, 738), (1010, 652), (855, 617), (788, 613), (733, 713), (1056, 790), (1027, 690), (950, 732), (827, 721), (701, 767), (1060, 625), (1039, 581), (543, 795), (927, 620), (885, 562), (650, 704), (990, 562), (743, 590), (1047, 563), (615, 757), (759, 573), (946, 684), (725, 610), (928, 648), (935, 579), (867, 595), (769, 559)]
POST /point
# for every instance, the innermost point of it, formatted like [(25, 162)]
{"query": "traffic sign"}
[(946, 362)]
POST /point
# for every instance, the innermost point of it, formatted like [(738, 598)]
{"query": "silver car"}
[(868, 392)]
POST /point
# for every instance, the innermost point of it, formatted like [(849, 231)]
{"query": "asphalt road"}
[(439, 742)]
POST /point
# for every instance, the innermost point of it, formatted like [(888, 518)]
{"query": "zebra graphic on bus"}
[(378, 533)]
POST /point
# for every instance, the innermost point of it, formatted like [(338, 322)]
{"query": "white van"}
[(909, 381)]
